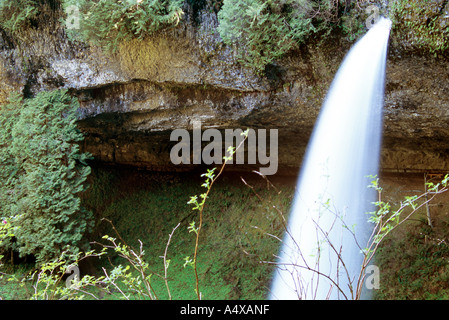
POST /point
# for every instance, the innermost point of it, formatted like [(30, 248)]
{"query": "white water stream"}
[(320, 255)]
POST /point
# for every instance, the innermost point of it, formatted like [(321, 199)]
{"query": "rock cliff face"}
[(132, 99)]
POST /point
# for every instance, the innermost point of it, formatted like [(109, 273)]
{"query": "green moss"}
[(414, 264), (233, 240), (421, 25)]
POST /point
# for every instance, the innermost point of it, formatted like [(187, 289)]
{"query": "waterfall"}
[(320, 254)]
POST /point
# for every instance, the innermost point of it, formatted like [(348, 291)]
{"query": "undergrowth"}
[(143, 209), (232, 243), (414, 260), (415, 265), (421, 25)]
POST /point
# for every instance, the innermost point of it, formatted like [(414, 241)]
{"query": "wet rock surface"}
[(132, 99)]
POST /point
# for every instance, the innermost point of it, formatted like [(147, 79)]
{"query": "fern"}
[(15, 15), (263, 31), (107, 23)]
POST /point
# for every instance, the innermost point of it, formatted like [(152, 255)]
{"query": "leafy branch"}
[(200, 202), (385, 220)]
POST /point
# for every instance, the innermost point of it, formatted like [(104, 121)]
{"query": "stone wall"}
[(132, 99)]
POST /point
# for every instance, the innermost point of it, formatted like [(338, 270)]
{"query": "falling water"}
[(332, 187)]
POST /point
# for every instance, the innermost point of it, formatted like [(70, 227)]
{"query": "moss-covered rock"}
[(421, 25), (131, 99)]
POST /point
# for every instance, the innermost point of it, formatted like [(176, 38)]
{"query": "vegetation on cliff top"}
[(423, 25), (261, 31), (107, 23)]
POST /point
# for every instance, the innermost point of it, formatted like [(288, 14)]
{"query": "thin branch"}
[(114, 284), (165, 260), (201, 209)]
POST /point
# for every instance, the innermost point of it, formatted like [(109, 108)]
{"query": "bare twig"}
[(165, 260), (429, 220), (388, 223), (201, 209)]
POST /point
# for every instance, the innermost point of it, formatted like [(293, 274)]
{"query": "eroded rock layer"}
[(131, 100)]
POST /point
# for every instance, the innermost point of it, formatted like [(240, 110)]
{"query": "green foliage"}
[(147, 207), (211, 177), (107, 23), (9, 168), (414, 265), (46, 282), (421, 24), (264, 30), (386, 219), (353, 23), (18, 15), (43, 174), (6, 231)]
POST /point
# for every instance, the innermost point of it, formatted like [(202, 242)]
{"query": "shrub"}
[(421, 24), (43, 174), (106, 23), (264, 30), (17, 15)]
